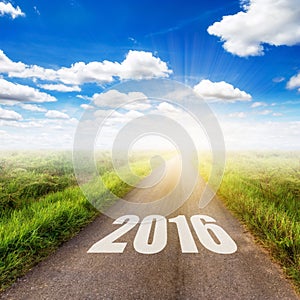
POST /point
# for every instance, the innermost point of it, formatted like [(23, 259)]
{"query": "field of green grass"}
[(263, 191), (42, 206)]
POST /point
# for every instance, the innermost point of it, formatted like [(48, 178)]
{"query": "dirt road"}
[(72, 273)]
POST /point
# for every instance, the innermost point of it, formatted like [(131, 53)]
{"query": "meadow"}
[(262, 189), (42, 206)]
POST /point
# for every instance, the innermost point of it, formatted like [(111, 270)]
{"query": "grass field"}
[(25, 177), (42, 206), (263, 191)]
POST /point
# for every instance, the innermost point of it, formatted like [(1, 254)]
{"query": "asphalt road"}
[(72, 273)]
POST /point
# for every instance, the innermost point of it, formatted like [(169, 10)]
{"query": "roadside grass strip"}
[(263, 191)]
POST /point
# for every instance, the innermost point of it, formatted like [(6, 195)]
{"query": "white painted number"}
[(107, 245), (186, 239), (159, 241), (224, 243), (150, 240)]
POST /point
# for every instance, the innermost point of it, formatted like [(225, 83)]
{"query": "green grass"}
[(263, 191), (25, 177), (38, 222)]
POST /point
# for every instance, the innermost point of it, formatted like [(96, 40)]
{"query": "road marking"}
[(212, 236)]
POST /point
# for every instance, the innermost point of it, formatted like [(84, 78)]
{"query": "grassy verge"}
[(263, 191), (31, 231)]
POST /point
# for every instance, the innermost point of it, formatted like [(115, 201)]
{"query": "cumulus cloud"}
[(294, 82), (8, 9), (132, 114), (258, 104), (60, 87), (33, 107), (35, 72), (17, 92), (261, 22), (9, 115), (139, 106), (7, 65), (55, 114), (167, 108), (115, 119), (103, 113), (220, 91), (137, 65), (142, 65), (114, 98)]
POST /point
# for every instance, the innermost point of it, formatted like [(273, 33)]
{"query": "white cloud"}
[(33, 107), (55, 114), (8, 102), (9, 115), (261, 22), (239, 115), (22, 93), (139, 106), (7, 65), (35, 72), (45, 124), (238, 133), (133, 114), (294, 82), (25, 124), (8, 9), (84, 97), (168, 108), (143, 65), (220, 91), (114, 98), (103, 113), (277, 114), (265, 112), (137, 65), (258, 104), (60, 87), (80, 73), (115, 119)]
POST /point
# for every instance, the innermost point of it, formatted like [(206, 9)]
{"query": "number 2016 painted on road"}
[(225, 244)]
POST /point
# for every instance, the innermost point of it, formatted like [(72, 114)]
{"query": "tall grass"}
[(31, 231), (263, 190), (25, 177)]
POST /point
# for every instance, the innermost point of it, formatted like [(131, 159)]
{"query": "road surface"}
[(72, 273)]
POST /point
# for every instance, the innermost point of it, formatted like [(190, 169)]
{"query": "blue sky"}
[(242, 57)]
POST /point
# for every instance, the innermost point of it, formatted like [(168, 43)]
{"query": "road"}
[(72, 273)]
